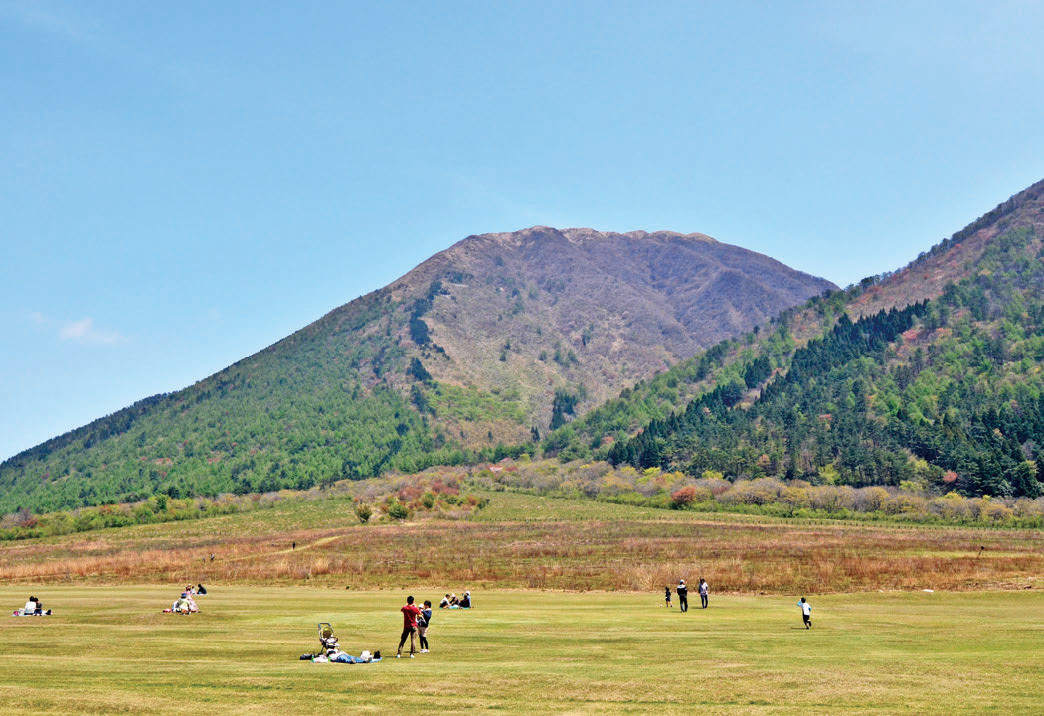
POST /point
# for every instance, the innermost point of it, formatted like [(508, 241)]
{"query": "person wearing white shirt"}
[(806, 613)]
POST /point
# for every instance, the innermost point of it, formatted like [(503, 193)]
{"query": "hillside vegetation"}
[(535, 542), (490, 342), (935, 385)]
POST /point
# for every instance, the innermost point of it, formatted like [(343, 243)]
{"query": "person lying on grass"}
[(343, 657)]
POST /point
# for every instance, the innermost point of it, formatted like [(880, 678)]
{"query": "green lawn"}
[(523, 651)]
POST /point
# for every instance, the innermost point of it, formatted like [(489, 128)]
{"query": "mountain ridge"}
[(929, 377), (489, 342)]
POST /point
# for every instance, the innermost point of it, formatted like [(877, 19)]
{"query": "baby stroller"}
[(327, 639)]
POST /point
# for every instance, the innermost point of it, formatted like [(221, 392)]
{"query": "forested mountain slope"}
[(933, 376), (491, 341)]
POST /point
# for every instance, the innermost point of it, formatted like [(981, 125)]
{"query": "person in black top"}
[(683, 595), (465, 603), (667, 596), (423, 622)]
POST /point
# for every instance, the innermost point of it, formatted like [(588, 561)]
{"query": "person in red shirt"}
[(409, 626)]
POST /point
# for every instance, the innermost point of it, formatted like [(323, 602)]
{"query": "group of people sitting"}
[(186, 604), (450, 601), (33, 608)]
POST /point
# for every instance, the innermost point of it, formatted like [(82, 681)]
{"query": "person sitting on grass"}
[(454, 602), (445, 602), (465, 602), (30, 607), (185, 604)]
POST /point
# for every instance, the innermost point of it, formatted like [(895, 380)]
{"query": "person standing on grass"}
[(423, 622), (806, 613), (704, 590), (410, 612), (683, 595), (667, 596)]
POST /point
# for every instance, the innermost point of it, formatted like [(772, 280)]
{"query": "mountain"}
[(930, 377), (491, 342)]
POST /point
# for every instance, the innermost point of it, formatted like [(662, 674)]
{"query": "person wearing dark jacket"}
[(423, 622), (683, 595)]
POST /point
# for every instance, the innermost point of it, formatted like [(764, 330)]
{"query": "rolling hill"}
[(491, 342), (931, 377)]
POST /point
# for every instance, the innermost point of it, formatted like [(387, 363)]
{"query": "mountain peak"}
[(581, 235), (495, 340)]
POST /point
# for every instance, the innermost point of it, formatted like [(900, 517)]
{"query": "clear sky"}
[(183, 184)]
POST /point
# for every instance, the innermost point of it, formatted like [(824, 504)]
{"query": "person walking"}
[(410, 612), (423, 622), (667, 596), (683, 595), (704, 590), (806, 613)]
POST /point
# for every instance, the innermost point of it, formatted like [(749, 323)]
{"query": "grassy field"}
[(525, 542), (524, 651)]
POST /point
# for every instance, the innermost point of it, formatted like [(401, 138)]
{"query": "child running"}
[(806, 613), (410, 612)]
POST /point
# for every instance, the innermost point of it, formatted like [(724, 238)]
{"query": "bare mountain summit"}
[(493, 341), (541, 309)]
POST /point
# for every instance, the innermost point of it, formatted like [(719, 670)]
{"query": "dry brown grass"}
[(622, 549)]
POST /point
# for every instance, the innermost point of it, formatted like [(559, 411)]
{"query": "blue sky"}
[(183, 184)]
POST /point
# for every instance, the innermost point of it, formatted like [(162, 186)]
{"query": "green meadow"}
[(109, 649)]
